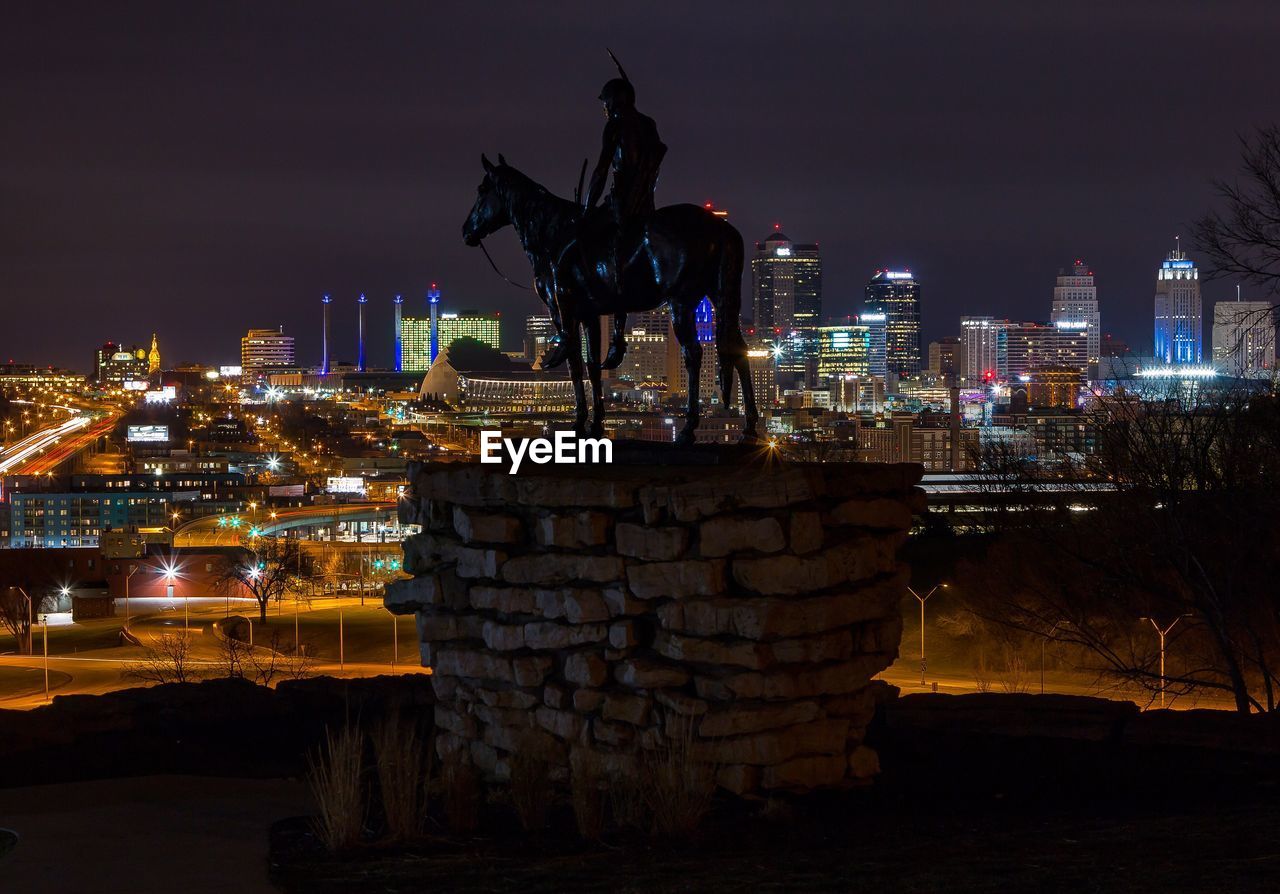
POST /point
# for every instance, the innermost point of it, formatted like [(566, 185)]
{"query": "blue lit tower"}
[(360, 303), (324, 337), (433, 302), (896, 294), (399, 300), (1178, 310)]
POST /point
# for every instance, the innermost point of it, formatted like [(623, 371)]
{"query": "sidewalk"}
[(146, 835)]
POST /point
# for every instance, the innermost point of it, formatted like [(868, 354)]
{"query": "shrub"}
[(334, 773), (403, 762), (461, 793), (677, 785)]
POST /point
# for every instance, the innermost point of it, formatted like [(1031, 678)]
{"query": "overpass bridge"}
[(338, 523)]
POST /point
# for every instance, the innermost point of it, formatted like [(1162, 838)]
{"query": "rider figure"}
[(634, 151)]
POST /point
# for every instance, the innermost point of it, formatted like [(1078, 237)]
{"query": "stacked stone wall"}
[(605, 612)]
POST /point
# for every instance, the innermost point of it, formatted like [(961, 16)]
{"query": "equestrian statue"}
[(590, 261)]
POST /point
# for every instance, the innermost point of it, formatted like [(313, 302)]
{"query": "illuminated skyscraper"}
[(980, 338), (324, 337), (1178, 310), (786, 293), (877, 337), (153, 356), (538, 332), (470, 324), (843, 351), (399, 302), (360, 303), (1075, 302), (896, 294), (263, 349), (415, 338)]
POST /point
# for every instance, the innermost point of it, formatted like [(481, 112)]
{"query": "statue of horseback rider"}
[(615, 231)]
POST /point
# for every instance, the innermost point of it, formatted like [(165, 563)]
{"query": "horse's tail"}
[(731, 347)]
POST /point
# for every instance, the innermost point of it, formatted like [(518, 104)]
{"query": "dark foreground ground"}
[(979, 848)]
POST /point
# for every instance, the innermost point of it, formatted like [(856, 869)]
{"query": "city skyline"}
[(142, 210)]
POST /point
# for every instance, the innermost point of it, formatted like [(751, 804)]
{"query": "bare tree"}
[(1184, 528), (18, 614), (1243, 239), (166, 660), (267, 568)]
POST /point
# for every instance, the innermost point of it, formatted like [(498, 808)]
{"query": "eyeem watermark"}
[(566, 449)]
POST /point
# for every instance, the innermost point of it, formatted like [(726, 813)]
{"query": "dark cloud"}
[(202, 168)]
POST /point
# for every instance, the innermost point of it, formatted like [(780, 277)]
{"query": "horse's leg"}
[(593, 370), (618, 345), (557, 350), (573, 343), (691, 348), (731, 349)]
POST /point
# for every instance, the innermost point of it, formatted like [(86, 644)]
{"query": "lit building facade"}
[(113, 365), (896, 294), (980, 338), (877, 358), (946, 358), (265, 349), (1178, 310), (56, 520), (1244, 338), (786, 297), (843, 351), (1075, 302), (486, 328), (415, 343), (1023, 347), (538, 332)]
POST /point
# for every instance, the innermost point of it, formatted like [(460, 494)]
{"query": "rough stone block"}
[(680, 703), (585, 669), (677, 580), (834, 646), (561, 724), (587, 700), (734, 534), (773, 747), (550, 635), (639, 673), (552, 569), (475, 526), (806, 532), (740, 653), (740, 779), (503, 637), (573, 531), (864, 762), (473, 663), (574, 491), (632, 709), (835, 679), (881, 513), (473, 562), (556, 697), (613, 734), (739, 720), (507, 698), (855, 560), (620, 603), (530, 670), (576, 605), (506, 600), (805, 773), (622, 635), (660, 544)]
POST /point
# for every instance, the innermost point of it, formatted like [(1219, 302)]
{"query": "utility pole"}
[(1163, 634)]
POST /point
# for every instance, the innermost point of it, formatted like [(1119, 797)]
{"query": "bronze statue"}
[(624, 257)]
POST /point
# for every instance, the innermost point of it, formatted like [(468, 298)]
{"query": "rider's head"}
[(618, 95)]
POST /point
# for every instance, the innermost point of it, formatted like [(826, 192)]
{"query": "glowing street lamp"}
[(1163, 633), (922, 600)]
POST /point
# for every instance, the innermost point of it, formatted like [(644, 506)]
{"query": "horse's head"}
[(489, 214)]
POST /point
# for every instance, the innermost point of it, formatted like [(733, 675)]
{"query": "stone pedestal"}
[(608, 607)]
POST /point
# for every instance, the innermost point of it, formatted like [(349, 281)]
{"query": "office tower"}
[(843, 351), (980, 337), (1178, 310), (433, 306), (415, 338), (1023, 347), (360, 303), (264, 349), (877, 335), (538, 332), (764, 376), (153, 356), (1244, 338), (399, 303), (324, 336), (896, 294), (946, 358), (786, 294), (114, 365), (1075, 305), (485, 327)]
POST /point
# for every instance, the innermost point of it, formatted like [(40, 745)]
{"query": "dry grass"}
[(627, 802), (588, 795), (335, 773), (531, 791), (677, 786), (403, 760), (461, 790)]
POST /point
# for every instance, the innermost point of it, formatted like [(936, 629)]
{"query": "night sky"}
[(201, 168)]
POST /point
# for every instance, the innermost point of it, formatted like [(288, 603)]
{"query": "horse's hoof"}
[(685, 438), (555, 355), (614, 358)]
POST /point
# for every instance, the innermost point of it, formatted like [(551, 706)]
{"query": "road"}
[(228, 530), (41, 451)]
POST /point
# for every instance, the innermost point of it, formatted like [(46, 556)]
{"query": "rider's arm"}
[(601, 172)]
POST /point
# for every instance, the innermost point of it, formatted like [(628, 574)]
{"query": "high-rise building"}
[(946, 358), (896, 294), (877, 336), (1178, 310), (263, 349), (843, 351), (415, 343), (399, 332), (1244, 338), (538, 331), (1075, 302), (114, 365), (980, 338), (786, 296), (1023, 347), (484, 327)]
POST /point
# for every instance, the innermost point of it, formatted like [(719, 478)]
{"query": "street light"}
[(1163, 633), (922, 600), (1048, 636)]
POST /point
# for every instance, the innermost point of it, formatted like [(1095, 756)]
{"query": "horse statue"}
[(686, 254)]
